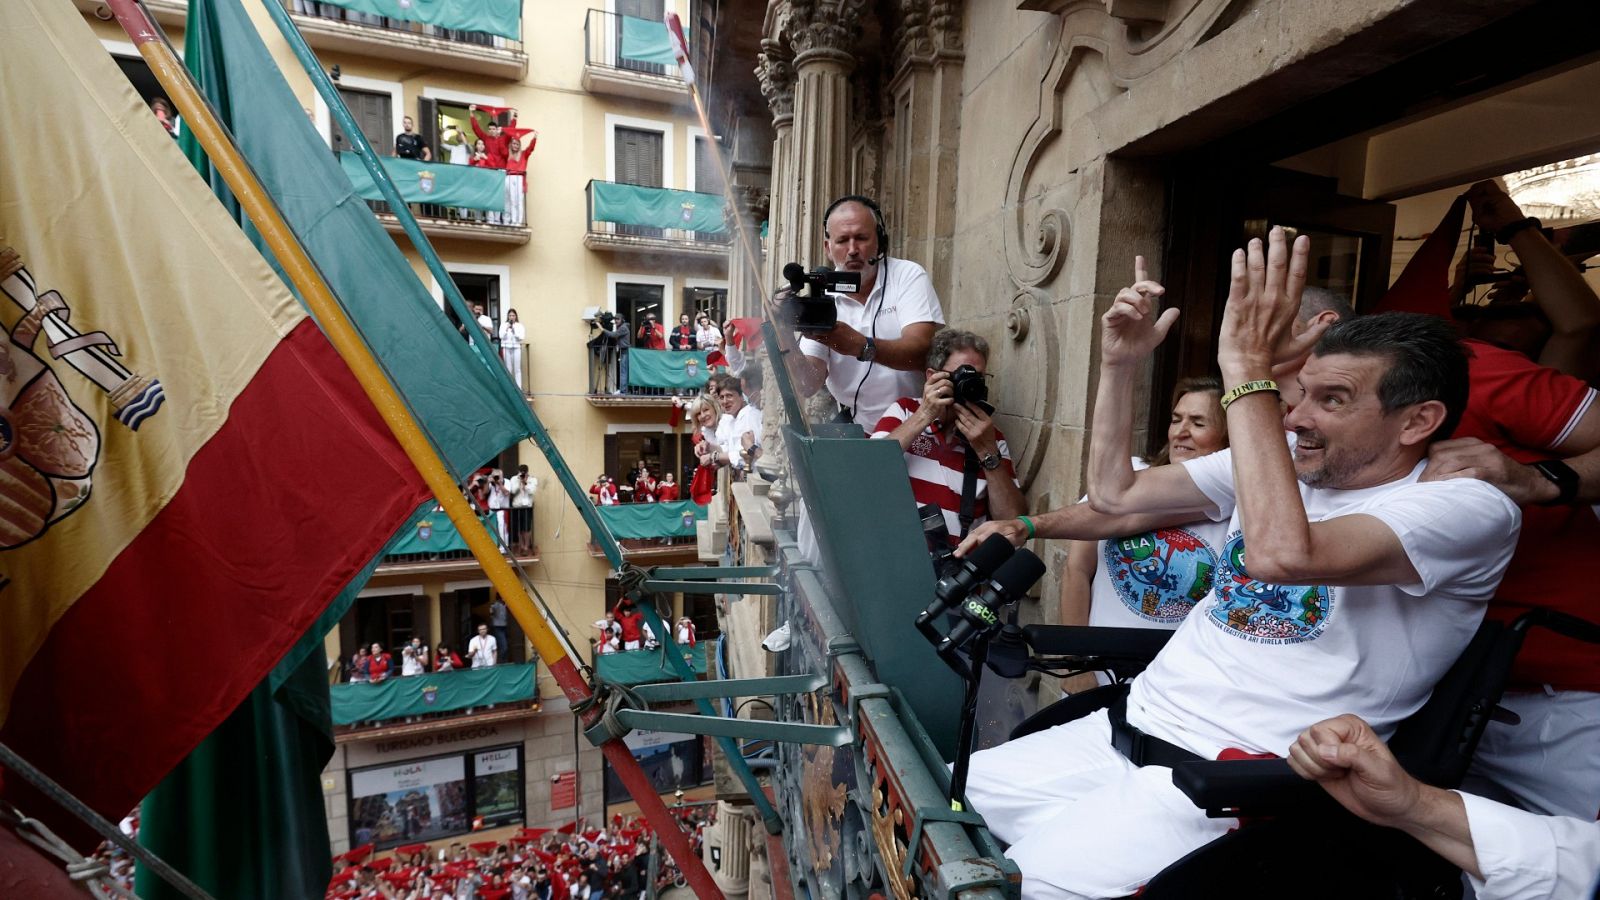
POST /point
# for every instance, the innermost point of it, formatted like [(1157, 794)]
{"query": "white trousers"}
[(1083, 822), (1549, 763), (514, 197), (513, 359)]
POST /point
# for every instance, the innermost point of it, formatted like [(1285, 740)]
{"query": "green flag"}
[(674, 518), (633, 204), (244, 814), (472, 187), (647, 40), (502, 17), (667, 368)]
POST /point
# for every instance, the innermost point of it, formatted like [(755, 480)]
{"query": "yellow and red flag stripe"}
[(188, 472)]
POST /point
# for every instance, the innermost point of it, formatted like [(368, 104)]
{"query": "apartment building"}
[(618, 142)]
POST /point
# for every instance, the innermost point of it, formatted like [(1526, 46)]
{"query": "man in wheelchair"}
[(1361, 586)]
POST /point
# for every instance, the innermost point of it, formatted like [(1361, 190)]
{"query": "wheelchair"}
[(1295, 841)]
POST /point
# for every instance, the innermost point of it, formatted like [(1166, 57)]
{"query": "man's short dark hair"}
[(949, 340), (1315, 300), (1427, 360)]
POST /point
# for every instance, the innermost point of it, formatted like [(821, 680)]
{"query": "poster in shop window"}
[(418, 800)]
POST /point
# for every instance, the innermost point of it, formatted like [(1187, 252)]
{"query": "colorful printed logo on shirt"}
[(1265, 613), (1162, 574)]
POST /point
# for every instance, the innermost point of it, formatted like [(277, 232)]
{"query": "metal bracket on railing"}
[(711, 587), (710, 580), (742, 729), (677, 691)]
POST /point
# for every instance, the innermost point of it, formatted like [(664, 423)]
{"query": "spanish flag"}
[(188, 472)]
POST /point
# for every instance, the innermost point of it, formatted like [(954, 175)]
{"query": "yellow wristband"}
[(1249, 387)]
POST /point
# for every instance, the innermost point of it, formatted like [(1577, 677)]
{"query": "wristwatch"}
[(1505, 234), (991, 461), (1561, 475), (869, 351)]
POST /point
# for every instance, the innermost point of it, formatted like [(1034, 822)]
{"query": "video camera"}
[(808, 305)]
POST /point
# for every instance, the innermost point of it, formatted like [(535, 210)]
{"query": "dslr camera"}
[(969, 387), (808, 305)]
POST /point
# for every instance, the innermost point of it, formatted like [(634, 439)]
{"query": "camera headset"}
[(883, 254)]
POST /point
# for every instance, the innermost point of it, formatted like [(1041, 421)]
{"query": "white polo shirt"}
[(903, 295)]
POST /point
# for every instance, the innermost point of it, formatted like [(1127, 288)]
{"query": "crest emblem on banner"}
[(688, 211), (691, 367), (425, 179), (405, 4), (430, 694), (48, 444), (424, 529)]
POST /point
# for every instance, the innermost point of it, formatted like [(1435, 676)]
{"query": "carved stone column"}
[(926, 106), (823, 34), (747, 207), (775, 73)]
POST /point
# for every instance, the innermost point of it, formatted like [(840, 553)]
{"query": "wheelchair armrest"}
[(1136, 644), (1251, 787)]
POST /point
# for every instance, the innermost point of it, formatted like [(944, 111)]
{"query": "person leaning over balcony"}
[(512, 336), (651, 335), (739, 430), (682, 337), (522, 485), (500, 505), (1154, 578), (516, 180), (707, 336), (878, 349), (482, 649), (496, 143), (361, 666), (957, 459), (380, 665), (445, 661), (408, 144)]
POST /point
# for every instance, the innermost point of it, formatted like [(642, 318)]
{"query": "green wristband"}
[(1028, 522)]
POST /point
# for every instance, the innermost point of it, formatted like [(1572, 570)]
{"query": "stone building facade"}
[(1024, 152)]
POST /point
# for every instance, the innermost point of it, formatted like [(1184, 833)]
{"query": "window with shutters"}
[(639, 161), (707, 178), (373, 113), (649, 10)]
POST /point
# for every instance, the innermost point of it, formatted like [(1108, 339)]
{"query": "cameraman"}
[(877, 349), (614, 339), (953, 451)]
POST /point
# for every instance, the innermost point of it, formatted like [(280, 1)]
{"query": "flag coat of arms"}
[(173, 429)]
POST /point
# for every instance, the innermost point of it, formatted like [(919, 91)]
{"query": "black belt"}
[(1142, 749)]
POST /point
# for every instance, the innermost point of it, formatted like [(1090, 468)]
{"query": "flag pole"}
[(590, 512), (302, 271)]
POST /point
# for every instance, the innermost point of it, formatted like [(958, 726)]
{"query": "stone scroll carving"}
[(1130, 48)]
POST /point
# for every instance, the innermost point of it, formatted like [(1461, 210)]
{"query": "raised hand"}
[(1263, 303), (1131, 330)]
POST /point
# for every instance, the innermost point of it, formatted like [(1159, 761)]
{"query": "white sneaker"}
[(778, 640)]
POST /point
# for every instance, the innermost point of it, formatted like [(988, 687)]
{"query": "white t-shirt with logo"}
[(1153, 580), (908, 299), (1255, 664)]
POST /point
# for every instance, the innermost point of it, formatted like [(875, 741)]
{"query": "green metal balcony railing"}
[(633, 44), (502, 16), (638, 211), (432, 694)]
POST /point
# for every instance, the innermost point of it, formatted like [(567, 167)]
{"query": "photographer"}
[(952, 448), (613, 340), (877, 349)]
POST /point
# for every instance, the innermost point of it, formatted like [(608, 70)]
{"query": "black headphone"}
[(877, 219)]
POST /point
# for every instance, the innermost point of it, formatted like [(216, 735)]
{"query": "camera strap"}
[(969, 491)]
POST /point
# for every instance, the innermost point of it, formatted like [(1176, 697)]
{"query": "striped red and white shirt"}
[(936, 462)]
